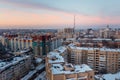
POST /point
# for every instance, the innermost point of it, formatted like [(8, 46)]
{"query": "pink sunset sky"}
[(21, 12)]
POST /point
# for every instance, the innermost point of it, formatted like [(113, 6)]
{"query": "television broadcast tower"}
[(74, 27)]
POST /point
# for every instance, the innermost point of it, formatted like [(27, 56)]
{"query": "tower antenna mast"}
[(74, 24)]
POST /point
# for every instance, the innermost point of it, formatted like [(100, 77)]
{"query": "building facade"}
[(99, 59), (15, 69), (15, 43), (41, 44), (59, 69)]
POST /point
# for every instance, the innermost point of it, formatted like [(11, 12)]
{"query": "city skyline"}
[(59, 13), (59, 40), (54, 54)]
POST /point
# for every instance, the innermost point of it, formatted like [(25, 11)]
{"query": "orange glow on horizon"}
[(24, 18)]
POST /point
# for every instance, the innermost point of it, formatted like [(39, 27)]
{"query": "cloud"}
[(33, 5), (100, 8), (61, 16), (28, 4)]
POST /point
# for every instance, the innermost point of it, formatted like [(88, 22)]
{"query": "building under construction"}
[(41, 44)]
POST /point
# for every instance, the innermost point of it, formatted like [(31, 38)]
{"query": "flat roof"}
[(72, 46), (59, 69), (55, 57), (5, 64)]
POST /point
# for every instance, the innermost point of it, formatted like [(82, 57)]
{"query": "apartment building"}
[(55, 43), (106, 33), (43, 44), (16, 68), (68, 32), (15, 43), (58, 69), (99, 59)]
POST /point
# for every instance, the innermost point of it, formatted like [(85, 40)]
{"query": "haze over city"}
[(59, 13), (59, 40)]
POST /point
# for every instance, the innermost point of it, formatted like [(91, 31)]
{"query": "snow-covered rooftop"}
[(101, 39), (72, 79), (108, 76), (38, 60), (5, 64), (72, 46), (61, 49), (70, 39), (58, 65), (60, 69), (31, 73), (41, 76), (117, 40), (22, 51), (55, 57)]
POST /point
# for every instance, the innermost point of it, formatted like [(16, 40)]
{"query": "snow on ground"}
[(38, 60), (31, 73), (42, 76), (108, 76)]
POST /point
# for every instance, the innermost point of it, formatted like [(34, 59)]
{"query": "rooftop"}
[(72, 46), (108, 76), (61, 49), (58, 65), (31, 73), (55, 57), (60, 69), (5, 64)]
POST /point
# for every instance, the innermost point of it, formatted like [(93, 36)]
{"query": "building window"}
[(91, 77)]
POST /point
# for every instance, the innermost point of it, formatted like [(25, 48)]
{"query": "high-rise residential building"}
[(58, 69), (98, 59), (41, 44), (2, 40), (117, 34), (68, 32), (15, 43), (55, 43), (107, 32)]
